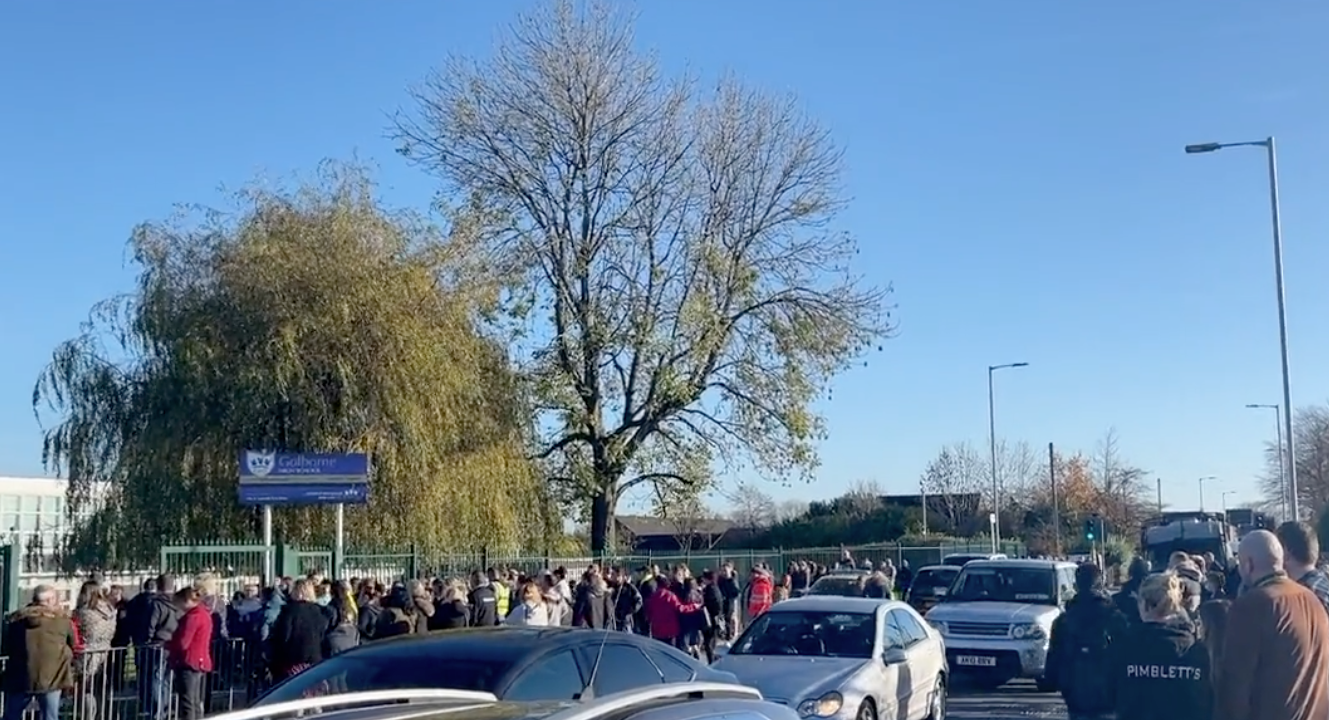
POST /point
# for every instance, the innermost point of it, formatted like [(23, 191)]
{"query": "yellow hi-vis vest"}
[(502, 597)]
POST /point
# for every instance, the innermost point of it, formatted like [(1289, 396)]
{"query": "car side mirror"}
[(721, 650), (894, 656)]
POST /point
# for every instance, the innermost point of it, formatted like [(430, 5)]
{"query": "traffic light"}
[(1089, 530)]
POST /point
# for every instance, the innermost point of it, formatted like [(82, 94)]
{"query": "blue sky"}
[(1016, 170)]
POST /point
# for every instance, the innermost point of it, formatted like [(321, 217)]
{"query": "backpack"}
[(1085, 677)]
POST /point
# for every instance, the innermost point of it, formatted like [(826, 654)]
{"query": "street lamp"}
[(1225, 494), (1202, 481), (992, 447), (1268, 145), (1282, 464)]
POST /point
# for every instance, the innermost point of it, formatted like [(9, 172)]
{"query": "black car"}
[(514, 663), (840, 584)]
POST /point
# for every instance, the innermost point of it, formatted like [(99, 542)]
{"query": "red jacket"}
[(761, 595), (191, 645), (662, 611)]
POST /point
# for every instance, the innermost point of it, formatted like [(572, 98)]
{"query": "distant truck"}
[(1194, 533)]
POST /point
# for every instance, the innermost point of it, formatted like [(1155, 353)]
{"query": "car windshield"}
[(928, 582), (961, 560), (381, 671), (999, 583), (840, 585), (809, 634)]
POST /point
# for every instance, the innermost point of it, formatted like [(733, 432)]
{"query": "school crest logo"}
[(260, 464)]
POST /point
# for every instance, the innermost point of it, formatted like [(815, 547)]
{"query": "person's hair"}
[(166, 583), (1138, 569), (1299, 542), (530, 592), (342, 605), (1160, 595), (89, 594), (303, 589), (187, 594), (43, 594), (1213, 628), (206, 584), (1177, 558), (1088, 578), (455, 590)]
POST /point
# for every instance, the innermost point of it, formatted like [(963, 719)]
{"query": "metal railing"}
[(125, 683)]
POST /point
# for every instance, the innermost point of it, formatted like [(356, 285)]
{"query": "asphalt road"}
[(1015, 701)]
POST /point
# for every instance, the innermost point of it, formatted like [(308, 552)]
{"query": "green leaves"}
[(312, 319)]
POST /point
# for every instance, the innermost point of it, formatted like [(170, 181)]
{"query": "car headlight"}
[(1028, 631), (824, 706), (940, 625)]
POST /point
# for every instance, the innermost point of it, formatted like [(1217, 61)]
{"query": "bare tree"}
[(1312, 449), (1123, 487), (790, 510), (955, 483), (749, 507), (671, 255)]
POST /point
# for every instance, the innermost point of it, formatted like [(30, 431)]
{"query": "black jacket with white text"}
[(1161, 672)]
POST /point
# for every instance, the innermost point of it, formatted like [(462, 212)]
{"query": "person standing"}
[(39, 643), (189, 652), (1080, 648), (1300, 551), (1275, 658)]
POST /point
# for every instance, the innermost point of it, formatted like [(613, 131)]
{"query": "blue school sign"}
[(273, 478)]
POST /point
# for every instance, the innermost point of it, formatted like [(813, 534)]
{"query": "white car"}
[(845, 658), (997, 617)]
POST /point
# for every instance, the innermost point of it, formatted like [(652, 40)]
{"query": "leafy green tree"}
[(310, 320), (682, 292)]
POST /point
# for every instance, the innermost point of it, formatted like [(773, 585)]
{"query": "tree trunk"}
[(602, 521)]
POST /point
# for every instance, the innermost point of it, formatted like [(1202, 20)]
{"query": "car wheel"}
[(867, 711), (937, 705)]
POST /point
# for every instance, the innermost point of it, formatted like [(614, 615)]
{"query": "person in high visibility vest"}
[(501, 594)]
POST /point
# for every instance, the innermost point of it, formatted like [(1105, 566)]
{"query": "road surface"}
[(1016, 701)]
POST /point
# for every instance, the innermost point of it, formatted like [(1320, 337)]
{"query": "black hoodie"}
[(1161, 673), (594, 606), (1080, 655)]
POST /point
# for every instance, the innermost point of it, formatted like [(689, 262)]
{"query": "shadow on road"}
[(1012, 701)]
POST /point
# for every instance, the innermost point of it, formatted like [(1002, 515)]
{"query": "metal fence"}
[(241, 564), (136, 682)]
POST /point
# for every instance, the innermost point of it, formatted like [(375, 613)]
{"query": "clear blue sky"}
[(1016, 168)]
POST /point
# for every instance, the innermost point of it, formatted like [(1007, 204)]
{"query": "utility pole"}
[(923, 491), (1056, 513), (1160, 496)]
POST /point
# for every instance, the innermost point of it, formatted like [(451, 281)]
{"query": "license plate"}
[(976, 660)]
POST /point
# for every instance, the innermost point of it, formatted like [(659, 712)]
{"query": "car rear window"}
[(356, 672), (847, 586)]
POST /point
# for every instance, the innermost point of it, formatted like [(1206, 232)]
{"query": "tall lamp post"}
[(992, 448), (1282, 462), (1225, 494), (1202, 481), (1268, 145)]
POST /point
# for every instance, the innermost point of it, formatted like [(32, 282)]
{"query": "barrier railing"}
[(125, 683)]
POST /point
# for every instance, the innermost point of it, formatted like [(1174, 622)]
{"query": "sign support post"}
[(269, 572), (339, 548)]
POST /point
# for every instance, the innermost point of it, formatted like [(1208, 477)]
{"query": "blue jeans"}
[(154, 682), (48, 702)]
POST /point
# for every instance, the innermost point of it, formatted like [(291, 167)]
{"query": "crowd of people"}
[(1201, 639), (166, 644)]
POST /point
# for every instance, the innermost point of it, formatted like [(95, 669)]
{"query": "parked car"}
[(841, 583), (844, 658), (962, 559), (512, 663), (997, 618), (930, 585), (673, 701)]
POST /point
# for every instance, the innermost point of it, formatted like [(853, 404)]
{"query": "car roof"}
[(503, 642), (1022, 563), (946, 568), (833, 603)]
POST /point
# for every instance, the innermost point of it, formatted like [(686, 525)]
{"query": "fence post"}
[(12, 557), (413, 567)]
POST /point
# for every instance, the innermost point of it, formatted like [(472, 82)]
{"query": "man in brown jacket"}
[(39, 640), (1275, 661)]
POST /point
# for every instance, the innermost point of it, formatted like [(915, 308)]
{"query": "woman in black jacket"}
[(1161, 671), (297, 636), (451, 611)]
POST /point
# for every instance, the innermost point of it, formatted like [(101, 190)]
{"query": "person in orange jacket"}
[(761, 593)]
